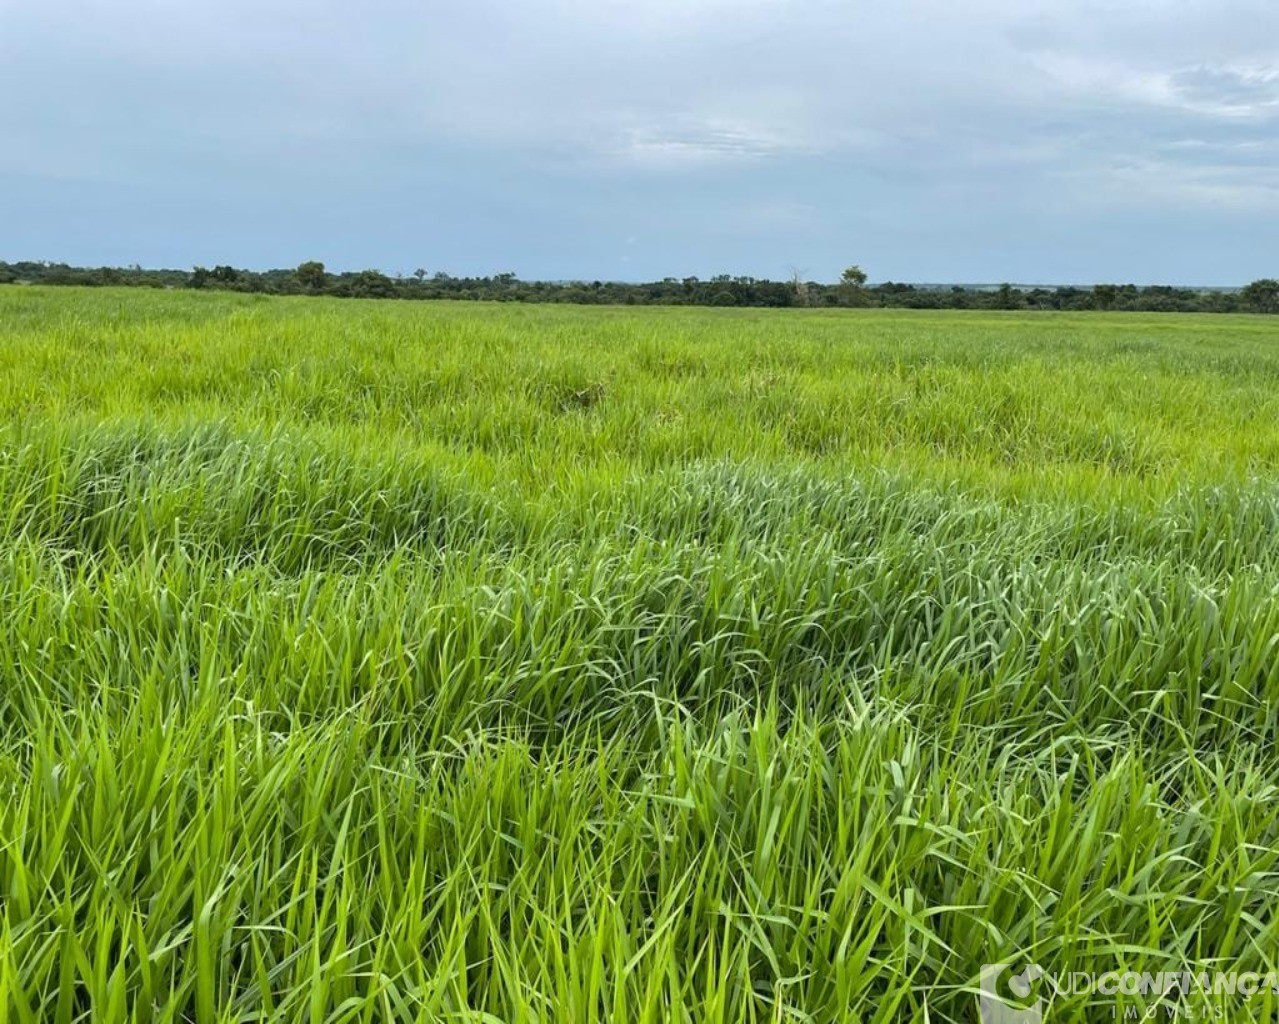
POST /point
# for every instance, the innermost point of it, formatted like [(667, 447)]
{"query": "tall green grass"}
[(371, 662)]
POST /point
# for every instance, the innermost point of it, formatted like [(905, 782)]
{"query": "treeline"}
[(312, 278)]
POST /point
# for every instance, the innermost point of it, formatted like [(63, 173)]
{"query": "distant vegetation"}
[(311, 278), (382, 662)]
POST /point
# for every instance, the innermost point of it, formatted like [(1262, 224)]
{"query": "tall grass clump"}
[(376, 662)]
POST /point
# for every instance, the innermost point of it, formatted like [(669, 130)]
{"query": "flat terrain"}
[(371, 661)]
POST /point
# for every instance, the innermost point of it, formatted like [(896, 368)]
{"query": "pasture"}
[(389, 661)]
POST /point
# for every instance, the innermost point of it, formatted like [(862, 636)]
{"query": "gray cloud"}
[(1233, 92), (982, 140)]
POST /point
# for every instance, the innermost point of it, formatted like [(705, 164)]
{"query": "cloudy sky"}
[(928, 140)]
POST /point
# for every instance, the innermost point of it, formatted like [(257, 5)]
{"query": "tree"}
[(311, 275), (1007, 297), (853, 277), (852, 284), (372, 284), (1105, 295), (799, 286), (1263, 295), (420, 274)]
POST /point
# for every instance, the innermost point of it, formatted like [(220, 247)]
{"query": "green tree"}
[(1263, 295), (1008, 297), (311, 275), (372, 284), (852, 286), (853, 277)]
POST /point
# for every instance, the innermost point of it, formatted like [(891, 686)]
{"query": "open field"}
[(370, 661)]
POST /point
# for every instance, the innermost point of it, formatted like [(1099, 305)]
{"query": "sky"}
[(1033, 141)]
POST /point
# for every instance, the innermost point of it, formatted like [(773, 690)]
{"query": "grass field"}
[(390, 661)]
